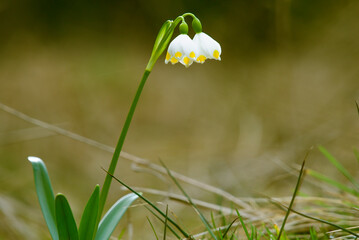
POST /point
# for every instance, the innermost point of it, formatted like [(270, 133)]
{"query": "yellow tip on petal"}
[(174, 60), (178, 54), (216, 54), (186, 60), (201, 59), (168, 56), (192, 55)]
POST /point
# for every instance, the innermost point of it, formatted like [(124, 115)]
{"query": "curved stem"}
[(121, 140), (189, 14)]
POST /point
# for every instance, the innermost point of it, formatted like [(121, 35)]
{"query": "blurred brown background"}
[(288, 80)]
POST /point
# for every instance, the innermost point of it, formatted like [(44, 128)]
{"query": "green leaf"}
[(66, 224), (45, 194), (113, 216), (88, 225)]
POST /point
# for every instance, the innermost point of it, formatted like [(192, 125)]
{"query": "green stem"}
[(121, 140), (158, 51), (189, 14)]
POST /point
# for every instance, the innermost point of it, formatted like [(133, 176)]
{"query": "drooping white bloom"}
[(182, 49), (207, 47)]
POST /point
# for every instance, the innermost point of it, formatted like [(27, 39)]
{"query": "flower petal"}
[(182, 49), (208, 47)]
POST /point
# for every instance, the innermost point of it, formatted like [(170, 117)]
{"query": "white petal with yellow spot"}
[(207, 47), (182, 49)]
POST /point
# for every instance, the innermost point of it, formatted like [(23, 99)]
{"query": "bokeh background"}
[(288, 80)]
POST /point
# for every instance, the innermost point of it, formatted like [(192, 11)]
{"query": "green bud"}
[(197, 26), (183, 28)]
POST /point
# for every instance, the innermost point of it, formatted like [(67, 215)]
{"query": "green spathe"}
[(196, 25)]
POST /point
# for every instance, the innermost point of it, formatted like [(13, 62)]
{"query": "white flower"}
[(207, 47), (182, 49)]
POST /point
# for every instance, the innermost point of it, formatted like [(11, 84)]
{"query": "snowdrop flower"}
[(207, 47), (186, 51), (182, 49)]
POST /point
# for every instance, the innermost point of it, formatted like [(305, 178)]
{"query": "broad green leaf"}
[(113, 216), (66, 224), (88, 226), (45, 194)]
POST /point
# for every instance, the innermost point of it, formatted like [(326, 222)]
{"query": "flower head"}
[(207, 47), (186, 51), (181, 49)]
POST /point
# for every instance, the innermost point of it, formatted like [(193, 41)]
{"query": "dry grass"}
[(233, 129)]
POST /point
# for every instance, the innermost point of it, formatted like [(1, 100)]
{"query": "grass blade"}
[(243, 225), (113, 216), (215, 227), (165, 230), (169, 227), (254, 233), (229, 227), (332, 182), (153, 229), (339, 166), (88, 222), (151, 204), (297, 186), (281, 206), (121, 234), (45, 194), (66, 224), (203, 219), (313, 234)]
